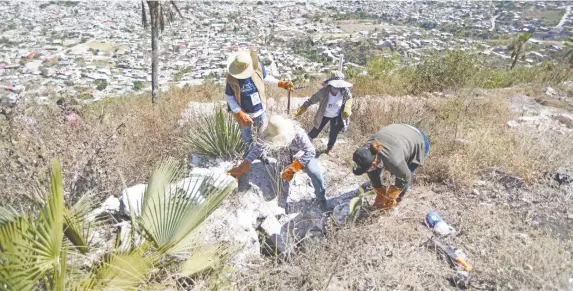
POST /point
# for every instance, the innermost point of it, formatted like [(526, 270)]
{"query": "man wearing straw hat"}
[(295, 152), (334, 106), (245, 91)]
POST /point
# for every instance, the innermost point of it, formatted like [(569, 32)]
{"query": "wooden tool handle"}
[(464, 264), (288, 103)]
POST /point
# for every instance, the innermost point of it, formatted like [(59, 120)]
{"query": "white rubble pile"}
[(248, 216), (542, 118)]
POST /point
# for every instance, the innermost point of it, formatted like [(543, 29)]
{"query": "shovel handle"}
[(288, 103), (464, 264)]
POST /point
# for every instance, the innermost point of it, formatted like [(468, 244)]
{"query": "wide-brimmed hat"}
[(363, 158), (336, 80), (279, 132), (242, 64)]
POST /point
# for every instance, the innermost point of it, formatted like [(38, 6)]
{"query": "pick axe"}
[(288, 96)]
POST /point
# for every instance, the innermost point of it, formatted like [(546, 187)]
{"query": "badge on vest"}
[(255, 98)]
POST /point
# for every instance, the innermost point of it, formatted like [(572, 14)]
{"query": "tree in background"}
[(160, 13), (518, 47), (569, 50)]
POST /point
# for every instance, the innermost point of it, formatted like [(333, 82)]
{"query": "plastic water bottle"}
[(435, 222)]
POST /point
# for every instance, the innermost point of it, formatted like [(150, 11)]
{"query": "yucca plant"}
[(219, 135), (40, 252)]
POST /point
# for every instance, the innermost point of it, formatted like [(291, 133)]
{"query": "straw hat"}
[(242, 64), (336, 80), (279, 132)]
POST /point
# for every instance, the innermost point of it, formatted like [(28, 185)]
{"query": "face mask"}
[(334, 90)]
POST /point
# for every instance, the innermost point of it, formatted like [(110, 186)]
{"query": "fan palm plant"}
[(160, 12), (518, 47), (38, 252)]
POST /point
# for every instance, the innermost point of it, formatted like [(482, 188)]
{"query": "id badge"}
[(255, 98)]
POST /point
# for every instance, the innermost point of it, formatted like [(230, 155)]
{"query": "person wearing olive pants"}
[(398, 148)]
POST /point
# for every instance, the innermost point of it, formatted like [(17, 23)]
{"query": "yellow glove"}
[(345, 114), (287, 85), (289, 172), (386, 197), (300, 112)]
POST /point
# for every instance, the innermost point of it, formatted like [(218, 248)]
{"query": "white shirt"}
[(334, 105)]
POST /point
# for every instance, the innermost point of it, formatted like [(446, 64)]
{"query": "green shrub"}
[(100, 84), (137, 85), (182, 72), (218, 135), (379, 66), (437, 72)]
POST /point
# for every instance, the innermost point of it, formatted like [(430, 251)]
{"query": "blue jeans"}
[(247, 132), (333, 131), (313, 171)]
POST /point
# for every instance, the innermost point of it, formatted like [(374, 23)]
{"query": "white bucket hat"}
[(336, 80), (279, 132), (242, 64)]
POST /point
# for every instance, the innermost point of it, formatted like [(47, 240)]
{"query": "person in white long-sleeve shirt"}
[(245, 92)]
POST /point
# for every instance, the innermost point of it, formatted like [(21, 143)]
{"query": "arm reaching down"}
[(305, 145), (402, 173)]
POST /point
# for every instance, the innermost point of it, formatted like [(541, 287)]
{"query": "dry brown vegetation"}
[(124, 138)]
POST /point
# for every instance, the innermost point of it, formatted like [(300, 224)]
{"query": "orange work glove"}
[(242, 169), (243, 118), (287, 85), (289, 172), (386, 197)]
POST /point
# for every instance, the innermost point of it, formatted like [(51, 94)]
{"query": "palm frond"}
[(16, 255), (162, 13), (7, 214), (119, 271), (203, 260), (143, 15), (170, 211), (176, 8), (33, 250), (78, 227), (49, 229)]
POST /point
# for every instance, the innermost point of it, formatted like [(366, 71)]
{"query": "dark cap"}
[(363, 159)]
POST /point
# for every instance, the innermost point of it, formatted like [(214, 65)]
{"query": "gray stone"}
[(512, 123), (550, 91), (461, 279), (110, 206)]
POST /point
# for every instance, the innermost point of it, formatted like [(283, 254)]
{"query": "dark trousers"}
[(334, 130)]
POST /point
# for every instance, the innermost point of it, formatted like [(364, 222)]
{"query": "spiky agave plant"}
[(219, 135), (37, 251)]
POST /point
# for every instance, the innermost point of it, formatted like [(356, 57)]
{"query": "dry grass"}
[(468, 134), (393, 252), (125, 135)]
